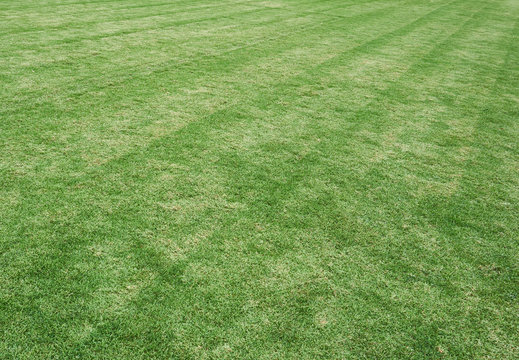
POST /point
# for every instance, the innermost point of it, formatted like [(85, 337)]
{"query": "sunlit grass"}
[(285, 179)]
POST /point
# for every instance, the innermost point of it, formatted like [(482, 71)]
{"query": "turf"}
[(283, 179)]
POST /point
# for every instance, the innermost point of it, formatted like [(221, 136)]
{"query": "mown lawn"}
[(283, 179)]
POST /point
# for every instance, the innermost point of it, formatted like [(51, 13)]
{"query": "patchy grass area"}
[(284, 179)]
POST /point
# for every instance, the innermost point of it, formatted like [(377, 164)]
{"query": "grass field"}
[(283, 179)]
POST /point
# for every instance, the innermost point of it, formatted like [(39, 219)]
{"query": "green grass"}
[(280, 179)]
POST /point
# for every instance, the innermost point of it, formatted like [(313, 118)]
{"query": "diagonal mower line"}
[(502, 69), (123, 18), (440, 47), (394, 33), (123, 8), (267, 22), (295, 177), (482, 115), (162, 267), (484, 68), (361, 47), (450, 215), (160, 67), (251, 3), (58, 4), (169, 25), (139, 17)]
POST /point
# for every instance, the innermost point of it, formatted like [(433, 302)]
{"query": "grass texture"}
[(279, 179)]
